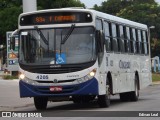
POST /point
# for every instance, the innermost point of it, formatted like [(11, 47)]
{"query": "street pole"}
[(149, 41), (149, 38), (29, 5)]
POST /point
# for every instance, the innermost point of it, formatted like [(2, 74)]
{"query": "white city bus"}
[(81, 55)]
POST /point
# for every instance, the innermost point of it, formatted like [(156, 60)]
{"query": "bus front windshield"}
[(57, 46)]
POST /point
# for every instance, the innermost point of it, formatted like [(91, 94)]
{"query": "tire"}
[(124, 97), (83, 98), (40, 103), (134, 95), (87, 98), (131, 96), (104, 100)]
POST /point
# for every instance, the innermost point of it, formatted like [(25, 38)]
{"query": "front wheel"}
[(40, 103), (104, 100)]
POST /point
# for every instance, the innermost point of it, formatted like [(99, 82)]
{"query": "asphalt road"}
[(149, 101)]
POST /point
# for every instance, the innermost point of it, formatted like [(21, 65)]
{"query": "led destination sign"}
[(55, 18)]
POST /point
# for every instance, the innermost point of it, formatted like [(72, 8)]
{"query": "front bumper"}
[(87, 88)]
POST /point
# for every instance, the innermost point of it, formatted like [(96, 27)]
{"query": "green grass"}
[(9, 77), (155, 77)]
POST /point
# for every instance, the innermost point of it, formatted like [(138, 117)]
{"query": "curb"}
[(156, 83), (16, 80)]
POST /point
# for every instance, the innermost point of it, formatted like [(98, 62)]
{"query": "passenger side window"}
[(128, 39), (140, 41), (134, 40), (118, 37), (107, 34), (122, 48), (125, 39), (99, 24), (145, 43), (137, 43), (131, 40), (114, 36)]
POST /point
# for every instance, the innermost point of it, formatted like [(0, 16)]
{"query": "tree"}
[(50, 4), (112, 6), (9, 3), (9, 19), (9, 12), (115, 6), (144, 13)]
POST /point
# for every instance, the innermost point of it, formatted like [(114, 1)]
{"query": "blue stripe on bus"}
[(87, 88)]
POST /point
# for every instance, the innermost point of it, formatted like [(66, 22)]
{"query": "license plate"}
[(55, 88)]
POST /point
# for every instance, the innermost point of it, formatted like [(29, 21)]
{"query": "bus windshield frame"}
[(79, 48)]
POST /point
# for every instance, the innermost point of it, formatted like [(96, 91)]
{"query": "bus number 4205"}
[(42, 77)]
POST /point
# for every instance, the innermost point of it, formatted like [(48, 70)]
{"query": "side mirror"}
[(100, 45), (12, 40), (100, 40)]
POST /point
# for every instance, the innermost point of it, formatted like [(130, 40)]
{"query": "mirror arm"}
[(12, 40)]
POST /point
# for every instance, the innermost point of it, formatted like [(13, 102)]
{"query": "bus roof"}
[(96, 14)]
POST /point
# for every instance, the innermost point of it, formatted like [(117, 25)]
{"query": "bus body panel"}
[(97, 83), (87, 88), (123, 68)]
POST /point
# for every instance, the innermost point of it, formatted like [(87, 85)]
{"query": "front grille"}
[(59, 81), (55, 70), (48, 69)]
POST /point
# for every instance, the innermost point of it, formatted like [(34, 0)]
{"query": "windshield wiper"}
[(41, 34), (68, 34)]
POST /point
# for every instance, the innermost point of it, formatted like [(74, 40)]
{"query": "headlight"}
[(29, 81), (92, 73), (21, 76), (87, 77)]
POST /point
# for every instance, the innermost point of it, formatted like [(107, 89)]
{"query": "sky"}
[(91, 3), (158, 1)]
